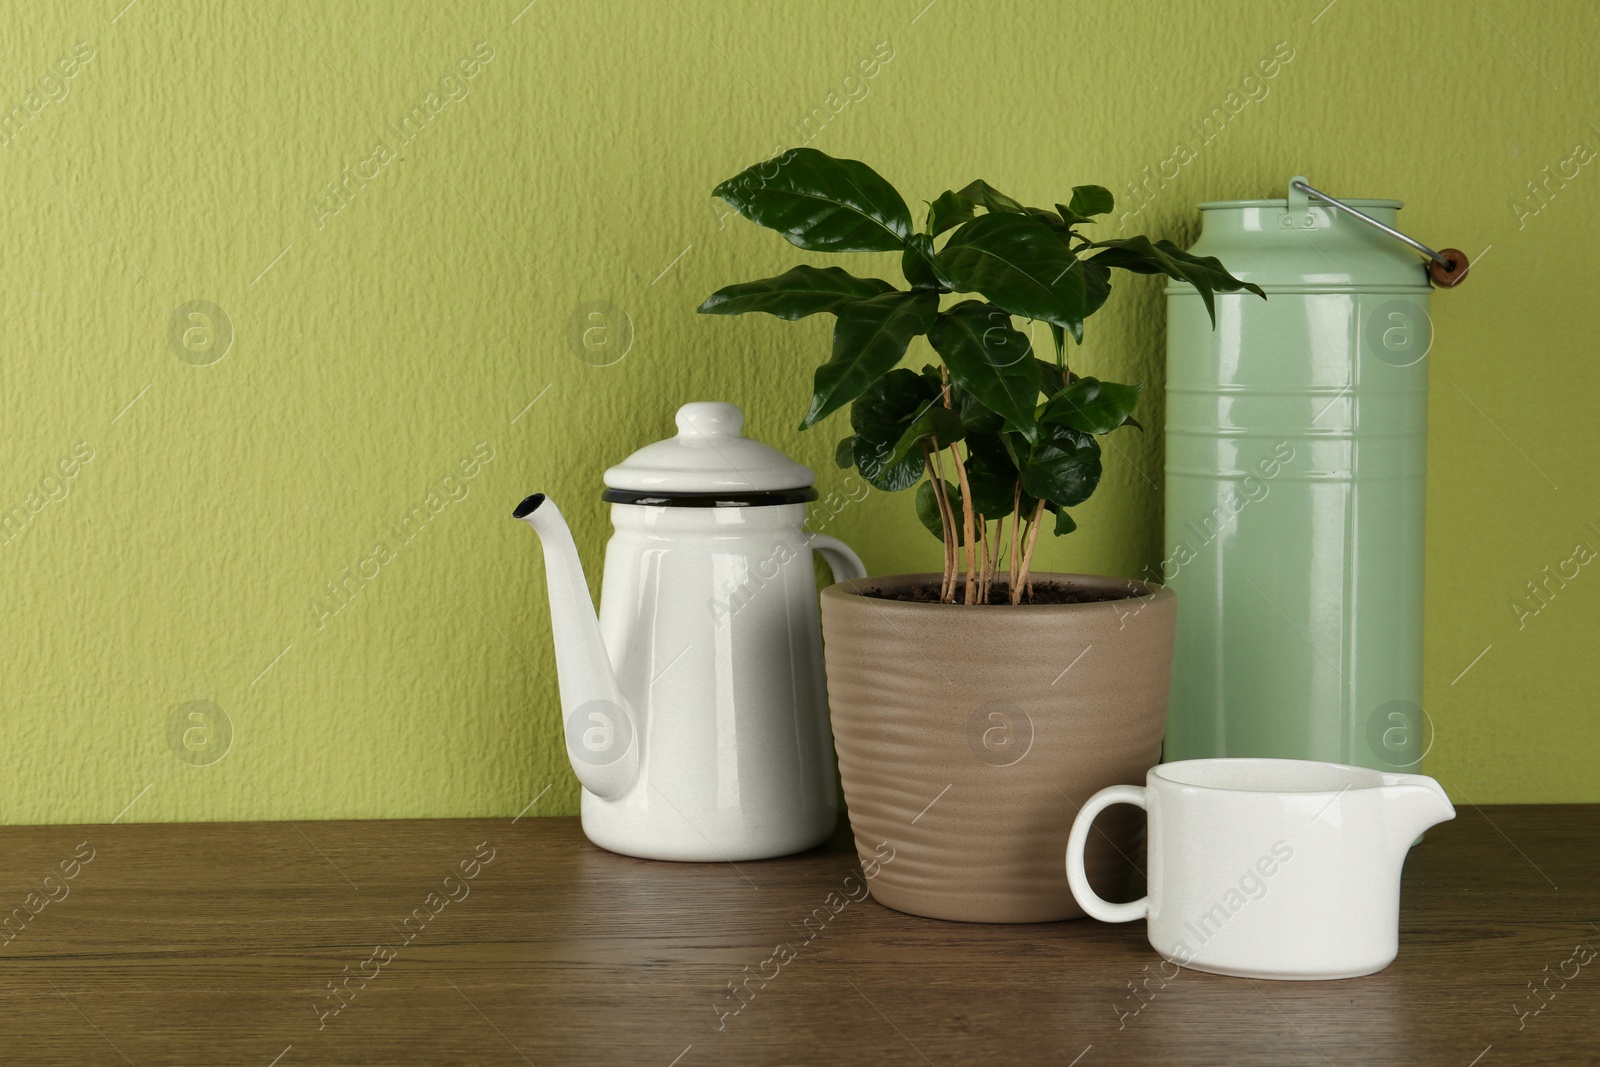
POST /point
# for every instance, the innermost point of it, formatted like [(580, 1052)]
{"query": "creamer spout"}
[(1415, 802)]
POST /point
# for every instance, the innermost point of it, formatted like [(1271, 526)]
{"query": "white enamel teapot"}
[(695, 705)]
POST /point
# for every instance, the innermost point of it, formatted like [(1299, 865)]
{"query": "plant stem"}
[(947, 516), (1014, 559), (999, 550), (967, 525), (986, 571), (1027, 554), (947, 519), (981, 549)]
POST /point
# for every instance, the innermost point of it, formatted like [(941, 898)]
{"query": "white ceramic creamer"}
[(1269, 868)]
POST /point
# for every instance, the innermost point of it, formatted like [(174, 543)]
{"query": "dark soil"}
[(1043, 593)]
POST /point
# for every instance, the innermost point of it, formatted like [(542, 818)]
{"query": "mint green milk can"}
[(1296, 440)]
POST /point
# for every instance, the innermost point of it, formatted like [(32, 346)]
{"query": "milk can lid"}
[(709, 463)]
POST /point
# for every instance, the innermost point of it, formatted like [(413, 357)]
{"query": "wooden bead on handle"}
[(1449, 274)]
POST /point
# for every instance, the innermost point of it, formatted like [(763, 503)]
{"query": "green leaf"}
[(869, 338), (1065, 523), (1096, 288), (821, 203), (1205, 273), (880, 416), (1049, 377), (991, 475), (928, 508), (1019, 264), (927, 502), (1063, 468), (794, 294), (844, 453), (1059, 337), (1091, 200), (891, 478), (1016, 446), (950, 209), (990, 360), (937, 422), (916, 262), (975, 417), (890, 405), (1092, 406), (1056, 223), (991, 199)]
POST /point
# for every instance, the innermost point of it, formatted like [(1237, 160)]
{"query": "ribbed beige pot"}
[(968, 737)]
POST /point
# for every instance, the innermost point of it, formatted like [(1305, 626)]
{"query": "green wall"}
[(177, 517)]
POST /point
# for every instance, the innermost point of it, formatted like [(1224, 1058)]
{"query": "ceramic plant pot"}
[(969, 737)]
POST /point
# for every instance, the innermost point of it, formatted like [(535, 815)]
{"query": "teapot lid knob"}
[(710, 419)]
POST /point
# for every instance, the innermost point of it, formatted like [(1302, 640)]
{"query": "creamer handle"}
[(1087, 898)]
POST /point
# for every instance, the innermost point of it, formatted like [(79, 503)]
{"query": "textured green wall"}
[(423, 343)]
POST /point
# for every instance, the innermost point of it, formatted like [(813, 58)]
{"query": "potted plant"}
[(974, 710)]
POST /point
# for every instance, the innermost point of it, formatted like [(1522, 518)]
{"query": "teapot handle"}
[(842, 561), (1078, 879)]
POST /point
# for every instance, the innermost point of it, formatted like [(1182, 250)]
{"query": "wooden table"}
[(488, 942)]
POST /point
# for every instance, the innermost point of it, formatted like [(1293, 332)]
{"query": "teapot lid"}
[(709, 463)]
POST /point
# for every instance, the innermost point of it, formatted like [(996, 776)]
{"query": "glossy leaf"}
[(844, 453), (1096, 286), (890, 405), (927, 502), (1059, 337), (821, 203), (795, 293), (951, 209), (1070, 218), (1019, 264), (1063, 468), (991, 475), (1017, 447), (1065, 523), (872, 462), (1056, 223), (936, 425), (991, 199), (990, 360), (869, 338), (1092, 406), (1049, 377), (1205, 273), (916, 262), (975, 416), (1091, 200), (880, 416)]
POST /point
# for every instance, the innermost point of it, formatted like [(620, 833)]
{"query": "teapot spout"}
[(602, 738), (1415, 802)]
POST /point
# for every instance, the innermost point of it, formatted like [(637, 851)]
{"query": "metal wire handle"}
[(1447, 267)]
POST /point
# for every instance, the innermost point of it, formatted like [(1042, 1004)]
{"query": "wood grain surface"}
[(493, 942)]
